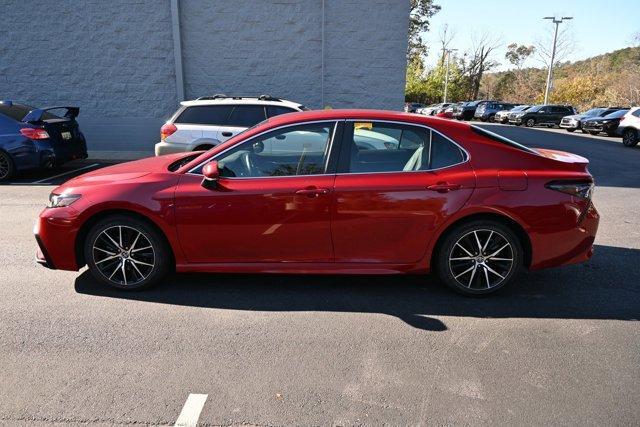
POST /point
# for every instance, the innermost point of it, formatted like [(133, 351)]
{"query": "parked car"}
[(210, 120), (467, 110), (503, 116), (573, 122), (629, 127), (448, 112), (433, 109), (412, 107), (607, 124), (549, 115), (486, 112), (297, 194), (33, 138)]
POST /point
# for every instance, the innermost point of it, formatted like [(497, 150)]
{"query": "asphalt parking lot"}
[(561, 347)]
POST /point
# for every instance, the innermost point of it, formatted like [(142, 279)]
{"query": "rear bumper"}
[(56, 154), (165, 147), (564, 247)]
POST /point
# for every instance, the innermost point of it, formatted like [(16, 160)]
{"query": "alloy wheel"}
[(124, 255), (481, 259), (5, 167)]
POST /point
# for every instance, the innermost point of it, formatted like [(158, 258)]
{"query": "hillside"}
[(609, 79)]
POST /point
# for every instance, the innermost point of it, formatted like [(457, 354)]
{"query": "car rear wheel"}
[(7, 168), (479, 258), (492, 118), (126, 253), (630, 138), (530, 123)]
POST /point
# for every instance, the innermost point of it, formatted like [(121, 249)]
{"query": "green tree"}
[(421, 11)]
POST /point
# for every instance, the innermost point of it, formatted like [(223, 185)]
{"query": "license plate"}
[(66, 135)]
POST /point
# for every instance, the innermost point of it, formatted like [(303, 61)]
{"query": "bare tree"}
[(565, 44), (480, 60), (446, 36)]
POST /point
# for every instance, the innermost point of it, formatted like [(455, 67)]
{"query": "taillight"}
[(166, 130), (582, 189), (34, 133)]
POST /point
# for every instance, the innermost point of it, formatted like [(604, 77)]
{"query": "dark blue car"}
[(37, 138)]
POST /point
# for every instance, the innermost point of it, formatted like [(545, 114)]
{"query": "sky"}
[(597, 27)]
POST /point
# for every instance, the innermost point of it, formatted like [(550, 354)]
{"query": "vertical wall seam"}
[(177, 49), (322, 60)]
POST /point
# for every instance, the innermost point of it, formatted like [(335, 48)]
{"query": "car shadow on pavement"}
[(607, 287)]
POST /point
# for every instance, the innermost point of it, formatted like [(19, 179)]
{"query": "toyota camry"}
[(329, 192)]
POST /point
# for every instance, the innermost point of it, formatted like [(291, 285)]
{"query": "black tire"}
[(571, 130), (593, 132), (497, 235), (140, 276), (7, 168), (492, 118), (630, 137), (530, 122)]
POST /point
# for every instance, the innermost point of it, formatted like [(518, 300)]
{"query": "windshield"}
[(594, 112), (616, 114), (520, 108), (535, 108)]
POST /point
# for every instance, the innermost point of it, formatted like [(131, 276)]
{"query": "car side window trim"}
[(335, 123), (346, 146)]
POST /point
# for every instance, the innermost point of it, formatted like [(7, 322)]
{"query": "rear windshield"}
[(501, 139), (18, 111)]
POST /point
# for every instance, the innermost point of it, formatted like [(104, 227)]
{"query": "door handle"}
[(227, 133), (312, 192), (444, 187)]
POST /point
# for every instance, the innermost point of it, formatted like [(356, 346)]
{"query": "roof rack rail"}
[(223, 96), (265, 97), (216, 96)]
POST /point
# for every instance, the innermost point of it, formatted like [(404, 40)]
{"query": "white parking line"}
[(191, 410), (65, 173)]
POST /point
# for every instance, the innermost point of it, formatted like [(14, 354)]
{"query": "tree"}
[(517, 55), (420, 12), (446, 37), (480, 61)]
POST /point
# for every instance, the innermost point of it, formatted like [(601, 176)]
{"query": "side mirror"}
[(211, 174), (211, 171)]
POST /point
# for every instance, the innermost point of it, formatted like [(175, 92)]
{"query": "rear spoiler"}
[(36, 115)]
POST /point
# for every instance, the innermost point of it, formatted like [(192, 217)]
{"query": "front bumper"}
[(164, 147), (55, 232), (570, 125), (516, 120)]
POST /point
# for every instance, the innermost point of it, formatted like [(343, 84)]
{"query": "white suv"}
[(629, 127), (208, 121)]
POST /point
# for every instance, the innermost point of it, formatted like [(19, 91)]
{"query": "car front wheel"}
[(126, 253), (630, 138), (479, 258), (530, 123)]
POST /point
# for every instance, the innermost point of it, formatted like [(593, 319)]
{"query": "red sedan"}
[(336, 191)]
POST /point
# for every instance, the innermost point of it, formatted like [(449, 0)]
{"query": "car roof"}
[(240, 101), (372, 115)]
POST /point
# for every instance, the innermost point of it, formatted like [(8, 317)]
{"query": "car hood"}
[(126, 171)]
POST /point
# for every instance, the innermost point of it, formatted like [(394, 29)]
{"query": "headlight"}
[(61, 200)]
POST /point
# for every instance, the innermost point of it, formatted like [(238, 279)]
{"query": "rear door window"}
[(276, 110), (385, 147), (246, 115), (205, 115)]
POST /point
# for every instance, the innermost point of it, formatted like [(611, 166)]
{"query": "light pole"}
[(446, 75), (556, 21)]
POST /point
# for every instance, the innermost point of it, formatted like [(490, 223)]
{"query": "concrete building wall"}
[(115, 59)]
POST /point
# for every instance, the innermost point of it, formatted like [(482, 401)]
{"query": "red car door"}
[(392, 194), (271, 203)]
